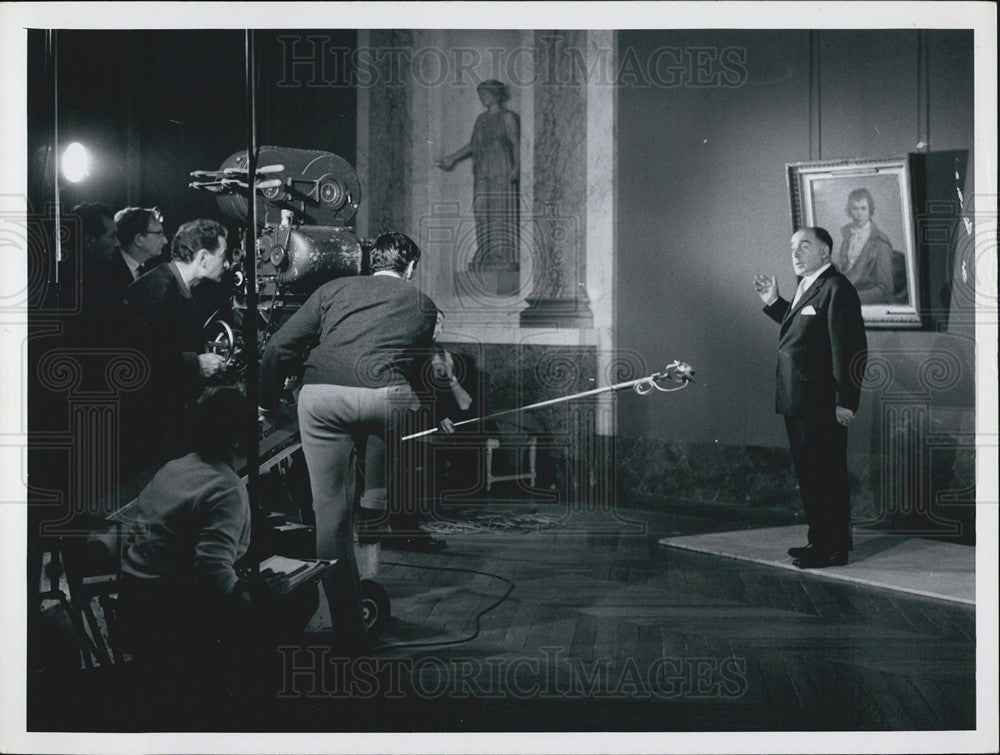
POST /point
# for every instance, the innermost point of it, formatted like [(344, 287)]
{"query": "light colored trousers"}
[(332, 420)]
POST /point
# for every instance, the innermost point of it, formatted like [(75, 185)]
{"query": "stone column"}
[(563, 88), (559, 228), (384, 127), (601, 251)]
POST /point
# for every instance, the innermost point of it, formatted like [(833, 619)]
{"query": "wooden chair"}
[(92, 565), (530, 474)]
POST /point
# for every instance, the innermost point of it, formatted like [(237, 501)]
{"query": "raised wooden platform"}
[(945, 571)]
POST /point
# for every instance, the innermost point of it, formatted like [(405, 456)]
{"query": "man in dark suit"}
[(822, 351), (161, 309), (140, 231), (98, 233), (446, 383), (91, 245)]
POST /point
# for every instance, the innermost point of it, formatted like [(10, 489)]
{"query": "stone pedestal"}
[(556, 312)]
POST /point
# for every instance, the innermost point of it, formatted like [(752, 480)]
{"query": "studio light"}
[(75, 163)]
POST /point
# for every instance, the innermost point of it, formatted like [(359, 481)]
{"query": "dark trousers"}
[(819, 451)]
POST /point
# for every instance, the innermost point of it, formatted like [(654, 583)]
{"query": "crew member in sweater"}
[(356, 383), (180, 594)]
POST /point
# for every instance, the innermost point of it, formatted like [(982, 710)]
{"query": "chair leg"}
[(82, 616), (55, 569), (109, 607), (100, 649), (76, 621), (532, 456), (489, 467)]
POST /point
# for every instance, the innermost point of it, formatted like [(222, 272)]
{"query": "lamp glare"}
[(75, 163)]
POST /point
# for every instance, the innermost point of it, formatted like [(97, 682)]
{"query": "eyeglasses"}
[(155, 232)]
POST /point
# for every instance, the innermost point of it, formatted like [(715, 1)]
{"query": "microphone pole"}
[(679, 372)]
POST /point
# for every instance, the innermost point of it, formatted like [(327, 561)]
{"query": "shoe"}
[(800, 551), (817, 559)]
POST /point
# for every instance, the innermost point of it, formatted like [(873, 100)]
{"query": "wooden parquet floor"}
[(568, 629), (630, 631)]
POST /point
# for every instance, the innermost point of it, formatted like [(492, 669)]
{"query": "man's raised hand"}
[(767, 288)]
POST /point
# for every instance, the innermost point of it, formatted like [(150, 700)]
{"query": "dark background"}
[(703, 201), (152, 106)]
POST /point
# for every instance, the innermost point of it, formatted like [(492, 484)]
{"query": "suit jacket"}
[(116, 277), (120, 277), (436, 395), (165, 327), (821, 356)]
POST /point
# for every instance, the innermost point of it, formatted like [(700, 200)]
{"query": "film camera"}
[(305, 202)]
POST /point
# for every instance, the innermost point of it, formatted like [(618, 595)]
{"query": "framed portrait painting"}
[(867, 208)]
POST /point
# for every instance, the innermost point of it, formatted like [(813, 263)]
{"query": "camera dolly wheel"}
[(374, 607)]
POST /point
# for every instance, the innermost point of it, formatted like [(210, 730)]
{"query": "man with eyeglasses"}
[(140, 231)]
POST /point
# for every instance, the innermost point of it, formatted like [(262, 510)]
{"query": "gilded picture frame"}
[(866, 205)]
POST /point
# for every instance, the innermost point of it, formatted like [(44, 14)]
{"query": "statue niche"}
[(495, 151)]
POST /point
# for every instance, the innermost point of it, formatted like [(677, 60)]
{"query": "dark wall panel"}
[(868, 93), (702, 206)]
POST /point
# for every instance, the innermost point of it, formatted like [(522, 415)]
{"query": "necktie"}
[(799, 291), (140, 271)]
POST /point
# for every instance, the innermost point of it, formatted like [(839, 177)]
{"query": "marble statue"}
[(495, 151)]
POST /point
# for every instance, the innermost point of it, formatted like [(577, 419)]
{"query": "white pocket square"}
[(809, 310)]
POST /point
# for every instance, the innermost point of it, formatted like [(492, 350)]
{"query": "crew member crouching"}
[(184, 611)]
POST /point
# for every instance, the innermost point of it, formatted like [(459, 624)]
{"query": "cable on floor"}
[(478, 616)]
